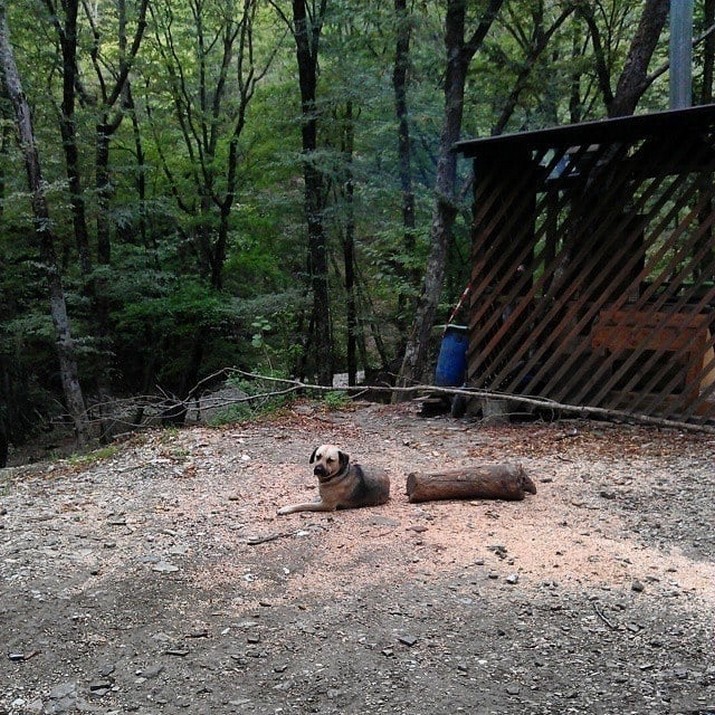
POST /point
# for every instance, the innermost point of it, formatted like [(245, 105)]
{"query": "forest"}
[(188, 186)]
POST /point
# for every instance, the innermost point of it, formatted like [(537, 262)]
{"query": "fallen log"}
[(483, 481)]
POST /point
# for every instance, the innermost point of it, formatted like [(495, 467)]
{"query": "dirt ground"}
[(157, 578)]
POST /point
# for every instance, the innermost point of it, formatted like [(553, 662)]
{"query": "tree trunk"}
[(634, 79), (538, 43), (400, 76), (103, 191), (484, 481), (706, 92), (459, 56), (141, 171), (348, 148), (43, 228), (306, 39), (67, 36)]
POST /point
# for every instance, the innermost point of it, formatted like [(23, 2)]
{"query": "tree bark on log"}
[(484, 481)]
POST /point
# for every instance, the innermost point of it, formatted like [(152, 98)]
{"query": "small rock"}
[(200, 633), (512, 579), (499, 549), (384, 521), (63, 691), (164, 567), (637, 586), (153, 671), (407, 640)]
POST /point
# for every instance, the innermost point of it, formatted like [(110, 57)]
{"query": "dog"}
[(342, 484)]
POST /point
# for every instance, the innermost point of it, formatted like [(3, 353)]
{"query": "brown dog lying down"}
[(342, 484)]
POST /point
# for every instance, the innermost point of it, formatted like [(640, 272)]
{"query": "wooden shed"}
[(593, 264)]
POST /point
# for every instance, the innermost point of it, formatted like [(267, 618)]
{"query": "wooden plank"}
[(618, 330)]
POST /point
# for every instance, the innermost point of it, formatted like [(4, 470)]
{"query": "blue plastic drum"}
[(452, 360)]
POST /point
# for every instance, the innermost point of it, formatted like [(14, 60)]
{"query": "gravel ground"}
[(156, 577)]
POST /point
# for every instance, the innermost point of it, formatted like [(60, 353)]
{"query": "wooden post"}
[(484, 481)]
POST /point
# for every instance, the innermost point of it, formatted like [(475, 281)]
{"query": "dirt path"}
[(160, 580)]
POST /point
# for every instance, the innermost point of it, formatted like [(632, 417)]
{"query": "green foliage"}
[(336, 400), (91, 458), (159, 332), (198, 278), (264, 395)]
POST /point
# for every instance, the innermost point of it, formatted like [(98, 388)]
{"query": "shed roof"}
[(667, 124)]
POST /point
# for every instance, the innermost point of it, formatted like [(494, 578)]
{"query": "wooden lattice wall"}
[(594, 265)]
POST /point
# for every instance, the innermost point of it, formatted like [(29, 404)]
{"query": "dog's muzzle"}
[(322, 473), (319, 470)]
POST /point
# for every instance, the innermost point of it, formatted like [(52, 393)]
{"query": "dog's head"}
[(329, 461)]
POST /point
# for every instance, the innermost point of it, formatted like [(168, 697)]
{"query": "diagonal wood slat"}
[(593, 265)]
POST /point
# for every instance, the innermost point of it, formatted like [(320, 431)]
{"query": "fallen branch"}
[(256, 540), (603, 618), (579, 410), (292, 386)]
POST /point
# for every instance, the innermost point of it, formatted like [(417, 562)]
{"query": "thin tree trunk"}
[(349, 243), (103, 191), (634, 79), (306, 38), (114, 101), (706, 92), (67, 36), (540, 39), (141, 172), (459, 55), (43, 228), (400, 77)]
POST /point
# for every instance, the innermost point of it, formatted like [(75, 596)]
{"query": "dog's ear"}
[(312, 456), (343, 459)]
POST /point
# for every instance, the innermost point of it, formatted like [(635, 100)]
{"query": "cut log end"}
[(484, 481)]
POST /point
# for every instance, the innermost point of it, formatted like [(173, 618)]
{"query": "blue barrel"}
[(452, 359)]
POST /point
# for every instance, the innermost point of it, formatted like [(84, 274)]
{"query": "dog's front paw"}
[(283, 511)]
